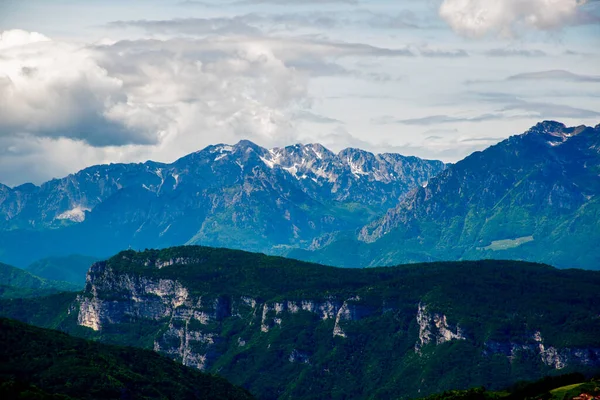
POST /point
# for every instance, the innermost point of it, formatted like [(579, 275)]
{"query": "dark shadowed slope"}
[(40, 363)]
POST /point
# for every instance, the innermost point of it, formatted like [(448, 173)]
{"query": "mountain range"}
[(534, 196), (241, 196), (286, 329)]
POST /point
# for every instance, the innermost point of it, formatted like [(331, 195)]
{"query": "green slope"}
[(38, 362), (72, 269), (533, 197), (12, 279)]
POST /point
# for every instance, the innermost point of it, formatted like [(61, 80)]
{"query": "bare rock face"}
[(549, 355), (130, 296), (434, 328)]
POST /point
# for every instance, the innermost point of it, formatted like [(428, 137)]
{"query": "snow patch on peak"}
[(76, 214), (269, 163), (222, 148), (292, 170), (355, 169), (317, 153)]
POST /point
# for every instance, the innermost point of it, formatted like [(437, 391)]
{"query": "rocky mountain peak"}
[(554, 133), (502, 201), (246, 146)]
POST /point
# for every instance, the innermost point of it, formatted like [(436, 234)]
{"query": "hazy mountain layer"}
[(15, 282)]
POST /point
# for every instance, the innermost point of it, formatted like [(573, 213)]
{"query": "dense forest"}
[(38, 363)]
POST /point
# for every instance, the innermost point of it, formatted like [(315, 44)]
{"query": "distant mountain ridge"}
[(15, 282), (534, 197), (241, 196), (72, 268)]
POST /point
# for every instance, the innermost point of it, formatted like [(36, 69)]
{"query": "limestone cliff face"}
[(557, 358), (434, 328), (112, 298), (190, 332), (198, 329)]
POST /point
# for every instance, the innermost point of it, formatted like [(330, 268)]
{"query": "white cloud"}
[(145, 92), (53, 89), (18, 37), (477, 18), (135, 100)]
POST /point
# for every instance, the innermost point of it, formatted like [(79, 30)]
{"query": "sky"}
[(94, 82)]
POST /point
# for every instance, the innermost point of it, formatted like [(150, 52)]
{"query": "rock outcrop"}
[(433, 328)]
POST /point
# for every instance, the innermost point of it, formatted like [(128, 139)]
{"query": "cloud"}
[(18, 37), (52, 89), (478, 18), (558, 75), (281, 3), (515, 53), (512, 109), (147, 92), (442, 53), (248, 24), (551, 111), (305, 56), (482, 139), (295, 2), (25, 158), (318, 66), (553, 75), (193, 26), (315, 118), (404, 19), (262, 23), (438, 119)]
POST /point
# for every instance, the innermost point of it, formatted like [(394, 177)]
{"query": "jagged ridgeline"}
[(43, 364), (287, 329), (242, 196)]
